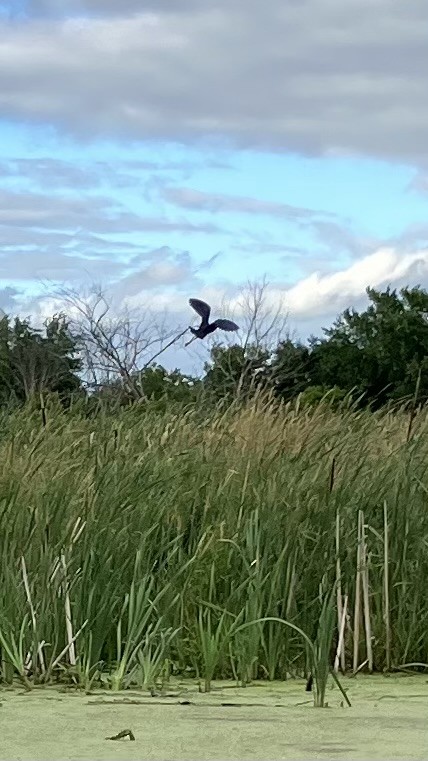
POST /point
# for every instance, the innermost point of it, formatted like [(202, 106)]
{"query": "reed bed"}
[(254, 542)]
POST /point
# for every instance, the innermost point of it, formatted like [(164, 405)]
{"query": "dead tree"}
[(263, 324), (262, 317), (115, 345)]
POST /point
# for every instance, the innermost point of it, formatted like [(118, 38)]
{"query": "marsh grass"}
[(145, 537)]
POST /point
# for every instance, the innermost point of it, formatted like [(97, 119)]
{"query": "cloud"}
[(419, 183), (161, 276), (104, 7), (164, 279), (318, 77), (45, 211), (340, 238), (318, 295), (50, 264), (266, 247), (165, 268), (197, 200), (57, 174), (175, 301), (50, 172), (8, 301), (157, 280), (30, 219), (161, 280), (94, 214), (67, 238)]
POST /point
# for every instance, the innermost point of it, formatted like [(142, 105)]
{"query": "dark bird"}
[(206, 327)]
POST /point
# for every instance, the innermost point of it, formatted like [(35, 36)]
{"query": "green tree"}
[(156, 384), (159, 383), (290, 368), (33, 361), (378, 352), (236, 370)]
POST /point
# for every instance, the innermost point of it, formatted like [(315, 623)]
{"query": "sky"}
[(169, 149)]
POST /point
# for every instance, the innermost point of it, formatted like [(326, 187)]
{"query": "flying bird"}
[(206, 327)]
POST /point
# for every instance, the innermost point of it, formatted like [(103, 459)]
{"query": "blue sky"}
[(169, 154)]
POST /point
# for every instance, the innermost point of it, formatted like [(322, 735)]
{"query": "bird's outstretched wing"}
[(226, 325), (201, 308)]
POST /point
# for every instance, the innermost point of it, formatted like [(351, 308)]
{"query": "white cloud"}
[(165, 286), (321, 294)]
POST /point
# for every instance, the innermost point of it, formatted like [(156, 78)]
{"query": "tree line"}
[(376, 356)]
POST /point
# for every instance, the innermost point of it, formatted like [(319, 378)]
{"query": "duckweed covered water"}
[(267, 720)]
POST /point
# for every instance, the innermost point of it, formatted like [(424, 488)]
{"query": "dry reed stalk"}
[(332, 475), (386, 615), (43, 410), (243, 492), (366, 596), (32, 613), (339, 588), (68, 621), (357, 606), (413, 406), (67, 647), (340, 653)]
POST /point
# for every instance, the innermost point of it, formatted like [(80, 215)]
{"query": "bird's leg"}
[(195, 335)]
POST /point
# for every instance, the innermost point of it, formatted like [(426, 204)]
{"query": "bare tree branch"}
[(263, 327), (115, 345)]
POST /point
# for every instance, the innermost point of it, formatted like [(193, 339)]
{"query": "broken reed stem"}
[(366, 596), (68, 622), (27, 591), (32, 613), (43, 410), (339, 588), (332, 475), (67, 647), (413, 406), (386, 587), (357, 606), (340, 653)]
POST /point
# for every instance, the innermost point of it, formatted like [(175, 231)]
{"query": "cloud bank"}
[(318, 77)]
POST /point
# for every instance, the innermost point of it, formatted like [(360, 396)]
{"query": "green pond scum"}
[(266, 720)]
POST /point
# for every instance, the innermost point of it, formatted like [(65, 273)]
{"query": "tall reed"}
[(140, 537)]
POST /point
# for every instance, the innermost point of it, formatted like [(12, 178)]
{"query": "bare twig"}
[(121, 735), (115, 345)]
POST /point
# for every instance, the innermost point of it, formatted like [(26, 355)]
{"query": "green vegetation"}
[(266, 520), (31, 362), (377, 357), (144, 542)]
